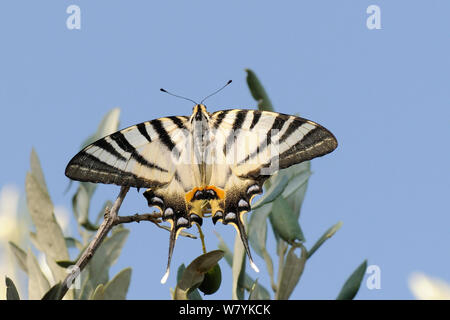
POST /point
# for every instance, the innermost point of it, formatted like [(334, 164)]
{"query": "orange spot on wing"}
[(220, 192), (191, 193)]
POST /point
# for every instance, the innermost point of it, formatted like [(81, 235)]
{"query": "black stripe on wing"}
[(256, 117), (237, 125), (178, 122), (122, 142), (276, 125), (163, 135), (143, 131), (316, 143), (104, 145), (126, 146), (88, 168), (294, 125), (220, 117)]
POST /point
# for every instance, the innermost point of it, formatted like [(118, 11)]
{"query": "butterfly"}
[(203, 165)]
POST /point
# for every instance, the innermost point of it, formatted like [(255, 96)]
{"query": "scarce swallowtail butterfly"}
[(205, 165)]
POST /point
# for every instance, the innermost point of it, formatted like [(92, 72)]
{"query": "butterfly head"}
[(199, 112)]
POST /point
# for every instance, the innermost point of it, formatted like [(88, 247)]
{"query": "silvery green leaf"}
[(21, 256), (36, 169), (238, 268), (37, 282), (54, 293), (194, 274), (351, 286), (66, 263), (290, 275), (247, 282), (116, 289), (284, 221), (73, 243), (98, 293), (258, 92), (11, 290), (108, 125), (327, 235), (274, 191), (192, 294), (257, 235), (257, 228), (105, 256), (296, 182), (49, 235), (81, 203), (254, 291), (295, 200)]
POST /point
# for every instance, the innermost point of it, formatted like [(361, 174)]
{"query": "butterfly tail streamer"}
[(243, 235), (173, 238)]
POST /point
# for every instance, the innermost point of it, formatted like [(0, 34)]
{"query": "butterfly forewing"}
[(266, 139), (139, 156)]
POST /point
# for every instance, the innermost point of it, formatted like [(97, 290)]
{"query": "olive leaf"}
[(274, 191), (194, 274), (192, 294), (257, 235), (38, 284), (36, 169), (73, 243), (49, 236), (327, 235), (11, 290), (20, 255), (284, 221), (106, 255), (247, 282), (254, 291), (258, 92), (54, 292), (290, 275), (238, 269), (351, 286), (116, 289)]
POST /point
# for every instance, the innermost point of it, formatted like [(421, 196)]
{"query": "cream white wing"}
[(251, 145)]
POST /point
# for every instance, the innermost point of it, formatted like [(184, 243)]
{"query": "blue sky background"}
[(383, 93)]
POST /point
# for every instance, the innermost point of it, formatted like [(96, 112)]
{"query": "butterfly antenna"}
[(229, 81), (175, 95)]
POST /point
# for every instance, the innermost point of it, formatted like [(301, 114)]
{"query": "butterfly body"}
[(208, 164)]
